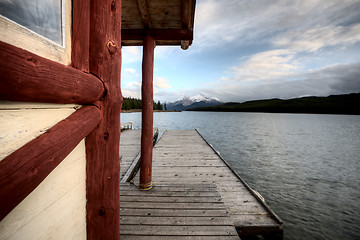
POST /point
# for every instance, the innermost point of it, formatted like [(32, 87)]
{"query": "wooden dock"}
[(197, 196), (130, 142)]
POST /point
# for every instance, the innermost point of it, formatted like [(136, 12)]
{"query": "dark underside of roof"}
[(169, 22)]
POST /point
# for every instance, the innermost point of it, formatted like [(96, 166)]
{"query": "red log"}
[(27, 77), (80, 35), (147, 113), (23, 170), (102, 144)]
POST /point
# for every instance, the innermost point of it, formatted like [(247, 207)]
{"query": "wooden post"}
[(102, 144), (147, 113)]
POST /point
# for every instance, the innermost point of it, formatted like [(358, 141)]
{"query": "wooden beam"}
[(27, 77), (23, 170), (186, 13), (144, 14), (187, 19), (185, 45), (147, 113), (157, 34), (80, 35), (102, 144)]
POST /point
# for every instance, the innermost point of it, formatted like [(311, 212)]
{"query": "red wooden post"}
[(102, 144), (147, 113)]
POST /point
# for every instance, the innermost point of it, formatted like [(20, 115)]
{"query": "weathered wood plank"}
[(157, 34), (178, 230), (166, 187), (170, 199), (143, 12), (102, 144), (173, 212), (170, 194), (138, 237), (167, 205), (27, 77), (176, 221), (129, 149), (183, 159), (176, 160), (27, 167)]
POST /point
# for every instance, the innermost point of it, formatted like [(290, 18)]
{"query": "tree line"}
[(333, 104), (134, 103)]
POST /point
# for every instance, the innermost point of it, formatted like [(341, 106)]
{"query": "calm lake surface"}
[(306, 166)]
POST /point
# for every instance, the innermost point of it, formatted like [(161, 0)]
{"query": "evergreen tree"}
[(159, 106)]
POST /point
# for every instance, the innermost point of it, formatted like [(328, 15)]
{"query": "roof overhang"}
[(169, 22)]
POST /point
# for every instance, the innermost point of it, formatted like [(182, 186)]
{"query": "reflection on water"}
[(40, 16), (307, 166)]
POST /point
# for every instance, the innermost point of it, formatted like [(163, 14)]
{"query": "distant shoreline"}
[(139, 110), (334, 104)]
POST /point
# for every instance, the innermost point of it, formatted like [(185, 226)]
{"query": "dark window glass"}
[(40, 16)]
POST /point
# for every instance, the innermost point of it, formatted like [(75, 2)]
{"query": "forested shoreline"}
[(333, 104)]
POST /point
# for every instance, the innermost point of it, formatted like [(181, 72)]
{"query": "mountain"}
[(333, 104), (192, 102)]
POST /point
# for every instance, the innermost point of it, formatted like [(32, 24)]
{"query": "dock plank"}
[(164, 230), (183, 157), (144, 237), (184, 211), (196, 196), (129, 149)]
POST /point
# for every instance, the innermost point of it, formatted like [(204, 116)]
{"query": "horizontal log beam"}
[(23, 170), (157, 34), (27, 77)]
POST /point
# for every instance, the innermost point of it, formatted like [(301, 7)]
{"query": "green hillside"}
[(334, 104)]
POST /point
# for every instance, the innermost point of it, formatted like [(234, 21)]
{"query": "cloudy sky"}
[(245, 50)]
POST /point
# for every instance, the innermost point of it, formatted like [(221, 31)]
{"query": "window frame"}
[(24, 38)]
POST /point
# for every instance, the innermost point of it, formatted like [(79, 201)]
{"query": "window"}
[(39, 26)]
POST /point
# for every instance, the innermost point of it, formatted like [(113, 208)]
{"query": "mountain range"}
[(192, 102), (333, 104)]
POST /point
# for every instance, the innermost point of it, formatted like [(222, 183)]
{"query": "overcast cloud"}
[(258, 49)]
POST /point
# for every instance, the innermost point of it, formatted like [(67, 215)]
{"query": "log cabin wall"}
[(56, 207)]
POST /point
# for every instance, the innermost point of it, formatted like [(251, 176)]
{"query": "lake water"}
[(306, 166)]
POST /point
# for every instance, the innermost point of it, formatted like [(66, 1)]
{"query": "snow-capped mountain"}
[(192, 102)]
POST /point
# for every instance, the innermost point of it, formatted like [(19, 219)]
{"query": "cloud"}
[(129, 70), (161, 82), (316, 38), (265, 66), (131, 54), (230, 23), (161, 89), (337, 79), (131, 89)]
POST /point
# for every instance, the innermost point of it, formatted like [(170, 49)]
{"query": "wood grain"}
[(102, 144), (157, 34), (80, 35), (183, 157), (25, 123), (61, 194), (23, 170), (179, 210), (147, 113), (27, 77)]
